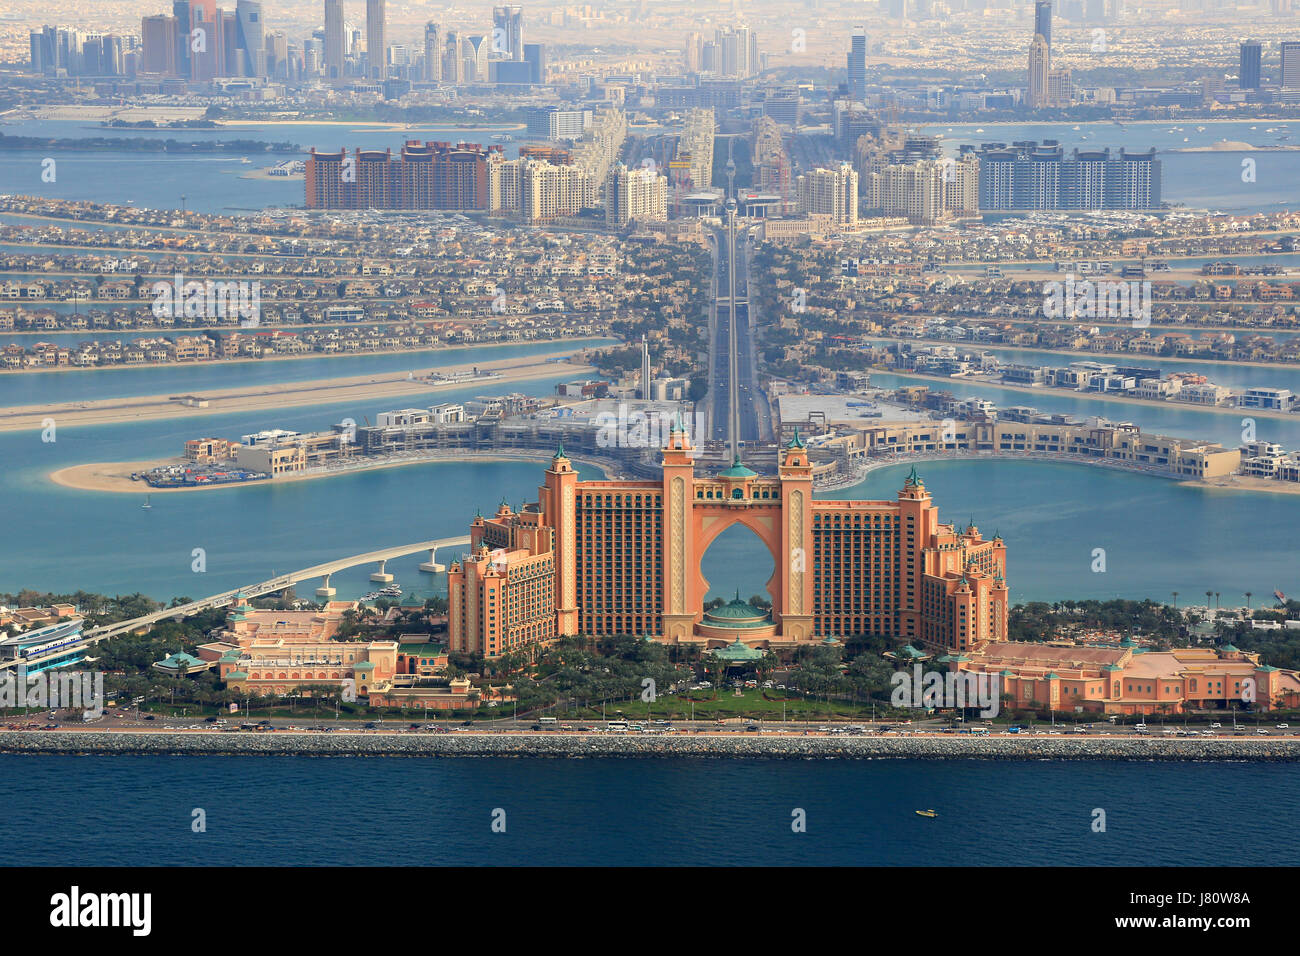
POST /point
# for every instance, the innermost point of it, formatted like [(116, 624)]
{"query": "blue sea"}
[(137, 810)]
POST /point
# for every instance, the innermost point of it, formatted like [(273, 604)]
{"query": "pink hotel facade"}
[(603, 558)]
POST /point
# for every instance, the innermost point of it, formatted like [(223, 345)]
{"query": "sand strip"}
[(357, 388)]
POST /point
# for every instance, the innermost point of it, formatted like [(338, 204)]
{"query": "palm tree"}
[(1248, 593), (1175, 600)]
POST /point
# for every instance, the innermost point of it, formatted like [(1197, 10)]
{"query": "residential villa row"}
[(977, 426), (260, 343), (1147, 384), (1218, 345)]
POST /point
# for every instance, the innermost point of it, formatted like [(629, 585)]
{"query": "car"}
[(1215, 726), (150, 717), (1261, 730), (1283, 726), (1140, 728), (370, 726), (535, 727), (467, 723), (209, 720)]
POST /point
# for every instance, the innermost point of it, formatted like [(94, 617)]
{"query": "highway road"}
[(737, 411)]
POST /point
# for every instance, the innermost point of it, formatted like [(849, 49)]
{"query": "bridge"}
[(262, 588)]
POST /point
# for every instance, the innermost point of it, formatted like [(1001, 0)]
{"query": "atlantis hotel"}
[(604, 558)]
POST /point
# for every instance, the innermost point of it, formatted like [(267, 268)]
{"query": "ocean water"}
[(209, 183), (31, 388), (137, 810), (64, 538)]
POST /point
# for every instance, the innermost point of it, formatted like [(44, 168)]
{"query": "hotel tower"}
[(603, 558)]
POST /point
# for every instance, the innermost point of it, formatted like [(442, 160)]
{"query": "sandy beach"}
[(115, 476), (357, 388), (1247, 483)]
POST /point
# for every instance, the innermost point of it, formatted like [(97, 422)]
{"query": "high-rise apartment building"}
[(605, 558), (432, 53), (1290, 65), (925, 192), (830, 192), (692, 161), (693, 53), (376, 40), (635, 195), (423, 176), (158, 35), (552, 123), (1029, 176), (1249, 74)]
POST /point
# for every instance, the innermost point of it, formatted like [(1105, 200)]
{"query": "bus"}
[(546, 720), (617, 726)]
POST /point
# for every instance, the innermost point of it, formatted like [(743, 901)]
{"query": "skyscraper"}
[(250, 38), (333, 39), (508, 32), (432, 53), (535, 57), (1249, 76), (376, 44), (158, 34), (1043, 20), (1291, 65), (857, 63), (694, 50), (1038, 69)]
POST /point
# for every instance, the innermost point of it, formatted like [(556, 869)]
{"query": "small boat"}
[(927, 813), (146, 506)]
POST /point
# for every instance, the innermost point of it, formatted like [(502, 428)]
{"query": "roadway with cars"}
[(736, 406)]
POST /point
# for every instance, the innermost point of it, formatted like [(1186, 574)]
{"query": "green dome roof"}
[(737, 470), (736, 613), (737, 650)]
